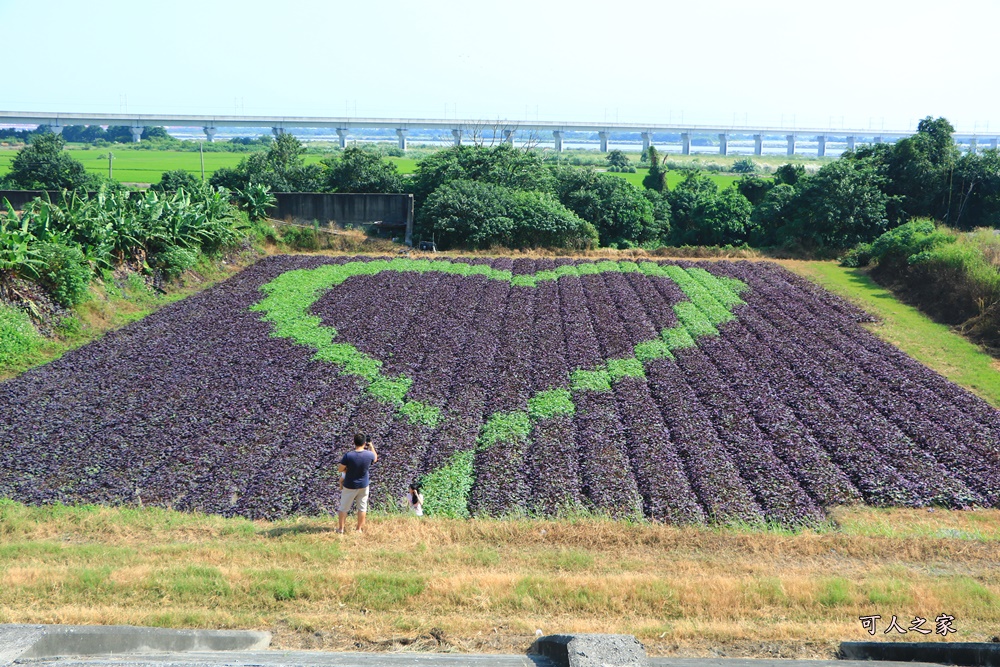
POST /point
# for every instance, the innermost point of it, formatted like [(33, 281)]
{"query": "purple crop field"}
[(683, 392)]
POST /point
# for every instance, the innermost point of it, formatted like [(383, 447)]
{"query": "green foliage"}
[(773, 212), (745, 166), (18, 256), (256, 199), (281, 168), (618, 161), (789, 174), (174, 260), (421, 413), (617, 209), (360, 170), (596, 380), (858, 256), (656, 179), (500, 165), (841, 205), (18, 337), (551, 403), (64, 272), (754, 188), (701, 215), (446, 490), (177, 179), (480, 215), (952, 277), (44, 165), (975, 191)]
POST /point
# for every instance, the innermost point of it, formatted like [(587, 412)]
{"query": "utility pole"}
[(201, 154), (111, 156)]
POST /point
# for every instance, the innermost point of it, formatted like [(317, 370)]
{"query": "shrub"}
[(858, 256), (745, 166), (174, 260), (18, 338), (64, 272)]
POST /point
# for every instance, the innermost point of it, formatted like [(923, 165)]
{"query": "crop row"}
[(683, 392)]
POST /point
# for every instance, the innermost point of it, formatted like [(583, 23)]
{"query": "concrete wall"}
[(345, 208)]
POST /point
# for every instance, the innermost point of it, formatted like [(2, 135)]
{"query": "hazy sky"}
[(869, 63)]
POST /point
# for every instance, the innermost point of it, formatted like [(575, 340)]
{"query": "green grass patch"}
[(385, 591), (930, 343)]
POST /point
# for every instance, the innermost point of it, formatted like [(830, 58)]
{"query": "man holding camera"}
[(355, 466)]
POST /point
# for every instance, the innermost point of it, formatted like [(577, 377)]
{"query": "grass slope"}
[(930, 343), (487, 585)]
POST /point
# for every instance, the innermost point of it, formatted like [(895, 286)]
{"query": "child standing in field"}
[(414, 499)]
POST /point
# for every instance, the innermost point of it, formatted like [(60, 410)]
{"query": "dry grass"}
[(487, 585)]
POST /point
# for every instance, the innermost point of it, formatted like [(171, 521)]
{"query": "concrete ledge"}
[(970, 654), (50, 641), (592, 650)]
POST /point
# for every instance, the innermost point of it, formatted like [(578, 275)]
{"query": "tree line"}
[(478, 196)]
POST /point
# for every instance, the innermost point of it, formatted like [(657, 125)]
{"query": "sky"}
[(788, 63)]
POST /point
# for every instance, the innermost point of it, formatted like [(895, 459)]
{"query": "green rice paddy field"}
[(147, 166)]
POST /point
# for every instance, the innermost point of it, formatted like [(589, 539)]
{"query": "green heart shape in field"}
[(290, 296)]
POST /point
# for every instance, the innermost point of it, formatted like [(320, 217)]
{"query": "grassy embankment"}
[(108, 307), (907, 328), (487, 585)]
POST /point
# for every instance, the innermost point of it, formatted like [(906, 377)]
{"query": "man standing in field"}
[(355, 466)]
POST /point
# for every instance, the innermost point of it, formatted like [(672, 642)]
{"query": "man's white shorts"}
[(348, 496)]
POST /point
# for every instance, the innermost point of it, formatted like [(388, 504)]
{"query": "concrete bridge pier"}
[(993, 143), (647, 141), (136, 134), (758, 144), (878, 139), (850, 143), (277, 131), (972, 145), (342, 134), (401, 132), (603, 136), (557, 137), (210, 133), (821, 146), (723, 144), (685, 143), (508, 137), (457, 134), (55, 129), (791, 144)]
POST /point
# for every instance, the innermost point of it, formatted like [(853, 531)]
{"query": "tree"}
[(687, 200), (840, 206), (618, 160), (501, 165), (44, 165), (656, 179), (701, 215), (281, 168), (975, 191), (480, 215), (178, 179), (919, 168), (616, 208), (753, 187), (745, 166), (359, 170), (771, 213), (789, 174)]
